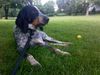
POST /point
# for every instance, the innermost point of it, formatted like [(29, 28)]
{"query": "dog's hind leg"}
[(58, 51)]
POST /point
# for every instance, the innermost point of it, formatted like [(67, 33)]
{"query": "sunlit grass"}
[(85, 59)]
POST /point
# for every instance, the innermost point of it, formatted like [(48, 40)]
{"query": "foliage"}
[(68, 7), (5, 4), (75, 7), (1, 12), (48, 8), (94, 1)]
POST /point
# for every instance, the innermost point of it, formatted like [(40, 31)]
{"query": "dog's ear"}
[(25, 17)]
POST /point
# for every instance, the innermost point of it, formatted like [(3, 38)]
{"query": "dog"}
[(31, 18)]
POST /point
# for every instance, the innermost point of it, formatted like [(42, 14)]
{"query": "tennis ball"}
[(79, 36)]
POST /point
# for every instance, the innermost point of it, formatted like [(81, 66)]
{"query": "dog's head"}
[(43, 19), (27, 15)]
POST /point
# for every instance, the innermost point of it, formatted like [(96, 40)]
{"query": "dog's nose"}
[(46, 19)]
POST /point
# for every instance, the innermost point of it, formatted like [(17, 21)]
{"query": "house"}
[(93, 8)]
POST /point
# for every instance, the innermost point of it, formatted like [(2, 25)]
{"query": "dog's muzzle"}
[(43, 20)]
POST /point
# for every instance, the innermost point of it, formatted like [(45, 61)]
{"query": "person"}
[(30, 17)]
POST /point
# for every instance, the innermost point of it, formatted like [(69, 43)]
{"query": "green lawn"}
[(85, 59)]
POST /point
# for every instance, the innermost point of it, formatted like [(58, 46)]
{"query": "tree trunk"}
[(6, 9), (87, 13)]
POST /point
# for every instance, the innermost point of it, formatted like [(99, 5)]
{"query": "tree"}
[(1, 12), (61, 4), (97, 2), (37, 2), (21, 3), (48, 8), (71, 7), (5, 4), (91, 6)]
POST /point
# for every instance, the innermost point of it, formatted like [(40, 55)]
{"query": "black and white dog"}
[(31, 18)]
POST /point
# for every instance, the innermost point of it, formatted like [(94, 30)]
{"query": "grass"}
[(85, 59)]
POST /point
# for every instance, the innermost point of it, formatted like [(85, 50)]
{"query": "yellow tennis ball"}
[(79, 36)]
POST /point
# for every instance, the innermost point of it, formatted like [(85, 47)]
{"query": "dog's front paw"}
[(33, 61), (67, 43)]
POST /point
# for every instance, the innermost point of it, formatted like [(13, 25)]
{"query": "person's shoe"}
[(59, 52), (33, 61)]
